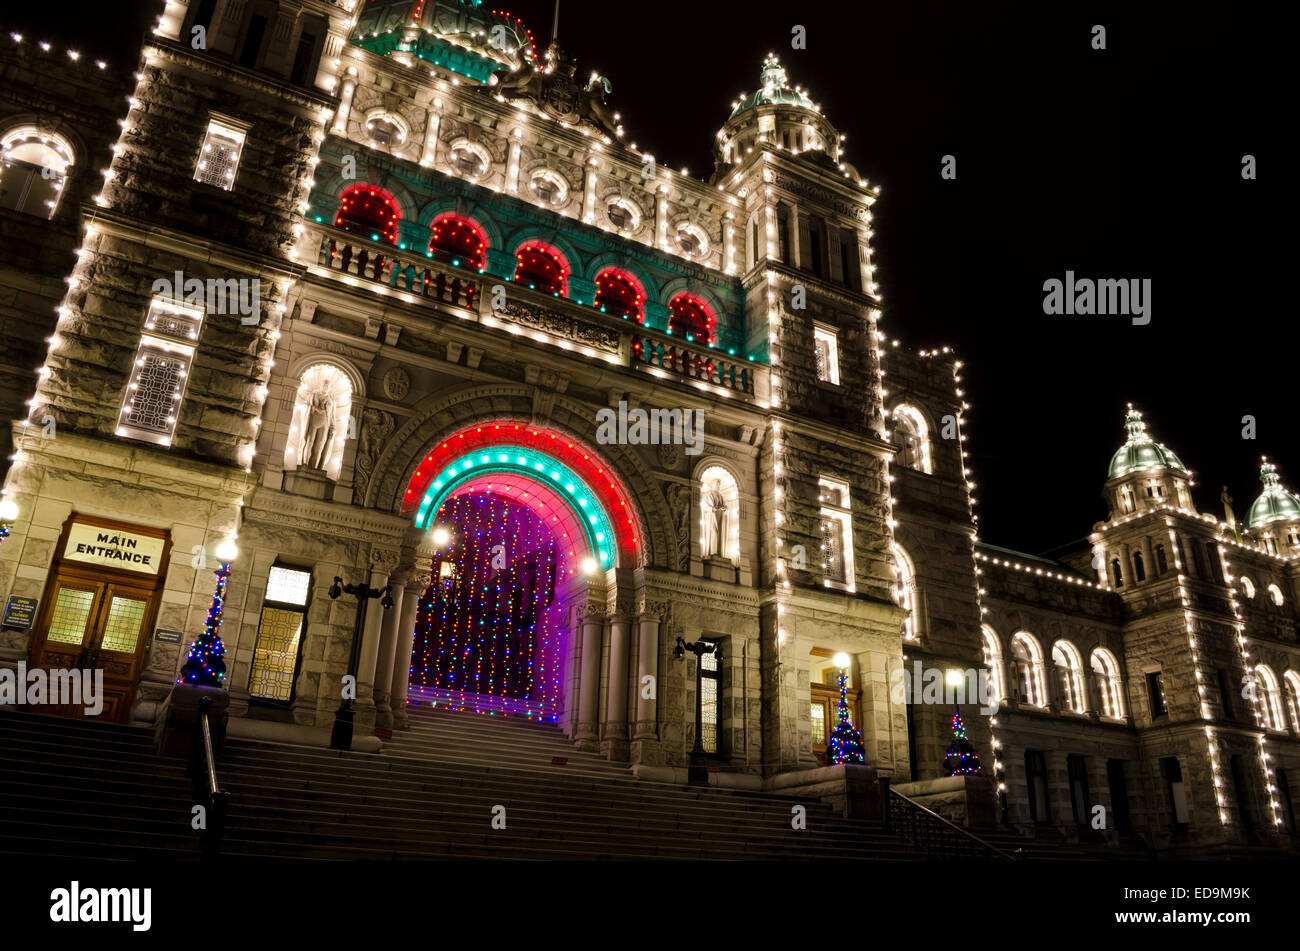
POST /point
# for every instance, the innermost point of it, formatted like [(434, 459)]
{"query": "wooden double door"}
[(91, 619)]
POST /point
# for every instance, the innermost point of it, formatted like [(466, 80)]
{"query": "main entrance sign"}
[(114, 548)]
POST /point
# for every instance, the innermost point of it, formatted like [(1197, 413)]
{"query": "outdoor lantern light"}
[(227, 551), (441, 536), (841, 660), (8, 510), (954, 677)]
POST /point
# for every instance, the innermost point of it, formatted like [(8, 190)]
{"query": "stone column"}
[(340, 126), (589, 191), (512, 165), (593, 621), (615, 743), (411, 595), (388, 637), (369, 657), (661, 218), (1148, 559), (729, 242), (647, 709), (430, 155)]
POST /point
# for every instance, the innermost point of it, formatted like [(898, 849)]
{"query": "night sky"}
[(1122, 163)]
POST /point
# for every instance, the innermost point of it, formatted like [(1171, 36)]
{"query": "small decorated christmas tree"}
[(845, 745), (961, 758), (205, 665)]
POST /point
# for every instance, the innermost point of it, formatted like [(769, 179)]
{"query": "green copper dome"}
[(1275, 503), (1141, 451), (774, 90)]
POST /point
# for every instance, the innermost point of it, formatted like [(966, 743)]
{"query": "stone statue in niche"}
[(715, 521), (318, 430), (320, 413)]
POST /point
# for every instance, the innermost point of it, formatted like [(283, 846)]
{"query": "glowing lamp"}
[(227, 551), (441, 536), (841, 660)]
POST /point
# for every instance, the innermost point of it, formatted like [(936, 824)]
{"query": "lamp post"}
[(699, 768), (341, 734)]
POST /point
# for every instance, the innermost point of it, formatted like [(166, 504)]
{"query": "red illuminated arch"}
[(458, 240), (691, 318), (370, 212), (543, 268), (620, 295), (586, 464)]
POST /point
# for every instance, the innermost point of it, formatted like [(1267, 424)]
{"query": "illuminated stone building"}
[(428, 261)]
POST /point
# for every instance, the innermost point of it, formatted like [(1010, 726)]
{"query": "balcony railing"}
[(639, 348)]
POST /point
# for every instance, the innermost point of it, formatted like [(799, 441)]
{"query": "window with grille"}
[(279, 634), (837, 533), (153, 397), (826, 344), (219, 157), (467, 161), (709, 696), (620, 217)]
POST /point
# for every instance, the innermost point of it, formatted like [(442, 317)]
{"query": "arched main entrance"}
[(519, 518)]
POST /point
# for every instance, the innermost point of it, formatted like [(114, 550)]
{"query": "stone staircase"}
[(87, 789)]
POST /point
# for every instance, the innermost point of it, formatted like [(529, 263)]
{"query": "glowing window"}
[(1027, 669), (913, 436), (369, 212), (540, 268), (690, 317), (219, 158), (1105, 667), (827, 353), (1070, 671), (459, 241), (618, 294), (34, 167)]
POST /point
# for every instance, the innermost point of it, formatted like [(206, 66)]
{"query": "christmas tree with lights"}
[(205, 665), (961, 758), (845, 745)]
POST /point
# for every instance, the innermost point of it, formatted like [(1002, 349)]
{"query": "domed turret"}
[(1275, 516), (1145, 474), (779, 116), (1140, 452)]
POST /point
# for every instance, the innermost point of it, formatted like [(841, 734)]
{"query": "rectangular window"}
[(1225, 694), (1123, 819), (850, 262), (1036, 780), (1173, 773), (302, 58), (709, 696), (279, 634), (817, 250), (1241, 790), (219, 158), (252, 41), (1286, 802), (837, 533), (153, 397), (826, 343), (1156, 694), (1080, 801), (783, 233)]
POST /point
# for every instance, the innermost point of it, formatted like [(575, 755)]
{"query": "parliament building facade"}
[(349, 285)]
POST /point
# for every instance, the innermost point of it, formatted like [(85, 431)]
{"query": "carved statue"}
[(1228, 513), (716, 524), (318, 429)]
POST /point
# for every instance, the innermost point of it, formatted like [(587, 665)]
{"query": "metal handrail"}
[(931, 832), (203, 775)]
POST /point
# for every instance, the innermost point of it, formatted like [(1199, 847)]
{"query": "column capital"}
[(652, 609)]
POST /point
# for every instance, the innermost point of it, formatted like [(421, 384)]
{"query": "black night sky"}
[(1123, 163)]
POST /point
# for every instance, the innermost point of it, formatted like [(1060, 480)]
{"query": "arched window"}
[(905, 588), (690, 317), (1247, 587), (1116, 574), (1275, 595), (1126, 499), (1139, 569), (1292, 681), (1269, 697), (913, 435), (470, 158), (619, 294), (993, 663), (550, 188), (1109, 687), (1162, 560), (719, 514), (34, 167), (542, 269), (370, 212), (1027, 669), (1069, 669), (459, 241)]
